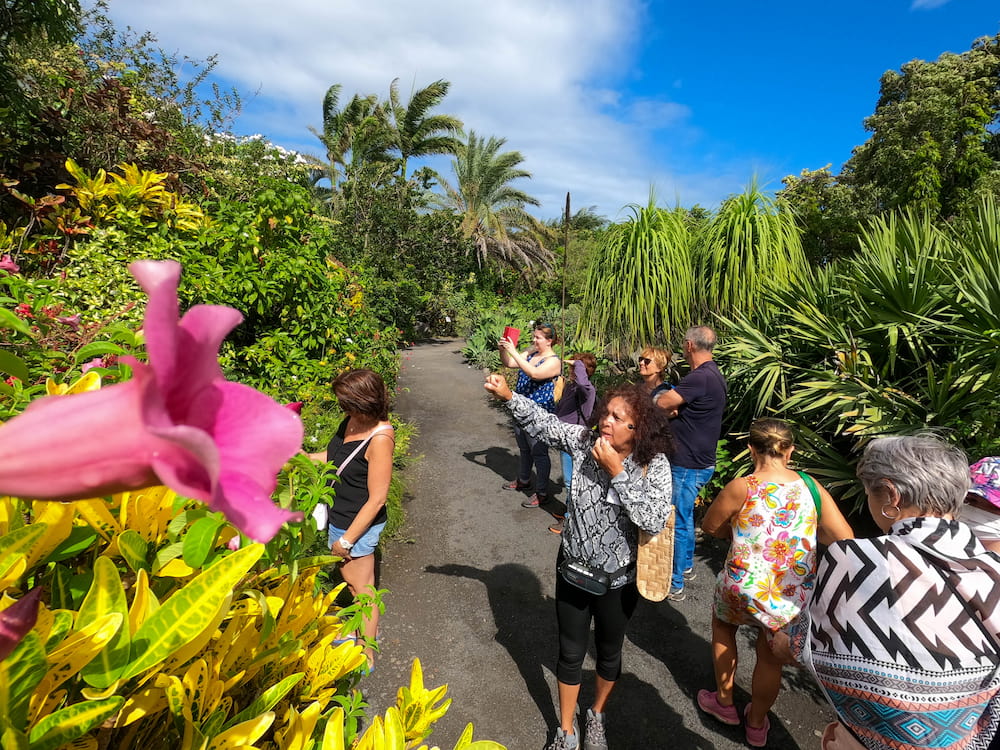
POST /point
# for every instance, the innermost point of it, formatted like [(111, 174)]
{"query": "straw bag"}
[(656, 562)]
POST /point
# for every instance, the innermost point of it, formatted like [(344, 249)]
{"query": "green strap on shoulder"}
[(814, 491)]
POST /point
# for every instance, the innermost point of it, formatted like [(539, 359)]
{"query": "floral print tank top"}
[(772, 561)]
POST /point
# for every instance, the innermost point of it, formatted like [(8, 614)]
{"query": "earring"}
[(894, 507)]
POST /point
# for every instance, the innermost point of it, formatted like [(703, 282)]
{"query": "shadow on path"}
[(526, 627)]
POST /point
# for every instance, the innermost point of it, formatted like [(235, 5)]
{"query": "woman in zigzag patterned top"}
[(621, 483), (903, 631)]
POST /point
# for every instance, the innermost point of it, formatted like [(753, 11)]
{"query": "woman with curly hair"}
[(620, 484)]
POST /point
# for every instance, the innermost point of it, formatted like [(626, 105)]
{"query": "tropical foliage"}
[(156, 630), (751, 243), (493, 212), (641, 283), (899, 338)]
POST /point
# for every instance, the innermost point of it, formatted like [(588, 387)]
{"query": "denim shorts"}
[(363, 546)]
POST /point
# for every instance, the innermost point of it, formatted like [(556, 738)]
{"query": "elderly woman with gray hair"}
[(903, 630)]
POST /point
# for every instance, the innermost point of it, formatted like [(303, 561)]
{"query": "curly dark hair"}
[(652, 427)]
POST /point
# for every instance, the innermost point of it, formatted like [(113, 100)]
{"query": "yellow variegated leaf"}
[(325, 663), (106, 595), (243, 734), (187, 613), (299, 728), (72, 721), (52, 624), (176, 568), (20, 543), (198, 642), (144, 702), (177, 700), (80, 646), (333, 735), (59, 519), (144, 602), (12, 570), (44, 700), (373, 738), (8, 513), (95, 512), (95, 694), (393, 728)]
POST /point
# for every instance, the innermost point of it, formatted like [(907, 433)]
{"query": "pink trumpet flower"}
[(17, 620), (7, 264), (177, 422), (295, 406)]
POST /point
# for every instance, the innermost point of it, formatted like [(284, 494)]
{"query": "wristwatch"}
[(345, 544)]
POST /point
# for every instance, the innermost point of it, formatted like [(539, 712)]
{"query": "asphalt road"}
[(470, 594)]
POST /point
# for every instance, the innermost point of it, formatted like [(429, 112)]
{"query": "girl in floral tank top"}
[(774, 523), (772, 559)]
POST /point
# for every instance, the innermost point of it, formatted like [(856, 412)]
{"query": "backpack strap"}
[(814, 491)]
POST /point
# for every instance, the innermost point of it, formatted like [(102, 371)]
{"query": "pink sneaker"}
[(708, 701), (756, 736)]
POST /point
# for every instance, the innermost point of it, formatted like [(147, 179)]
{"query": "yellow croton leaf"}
[(90, 381), (144, 702), (243, 734), (299, 727)]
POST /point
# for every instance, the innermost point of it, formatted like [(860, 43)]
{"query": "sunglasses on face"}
[(645, 361)]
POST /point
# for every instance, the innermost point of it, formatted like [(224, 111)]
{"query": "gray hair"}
[(929, 474), (703, 338)]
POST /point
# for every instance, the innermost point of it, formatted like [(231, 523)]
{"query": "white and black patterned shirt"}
[(603, 513)]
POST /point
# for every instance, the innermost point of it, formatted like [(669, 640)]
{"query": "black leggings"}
[(610, 613)]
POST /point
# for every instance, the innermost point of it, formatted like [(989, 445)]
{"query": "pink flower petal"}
[(177, 422), (7, 264), (17, 621)]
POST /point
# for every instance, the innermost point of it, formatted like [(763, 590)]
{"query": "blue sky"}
[(604, 98)]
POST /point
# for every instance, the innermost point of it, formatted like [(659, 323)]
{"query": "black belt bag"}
[(584, 577)]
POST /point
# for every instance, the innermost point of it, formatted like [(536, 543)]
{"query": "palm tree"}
[(492, 212), (414, 132), (353, 135), (752, 243), (640, 285)]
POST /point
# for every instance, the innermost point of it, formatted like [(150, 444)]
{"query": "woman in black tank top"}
[(362, 451)]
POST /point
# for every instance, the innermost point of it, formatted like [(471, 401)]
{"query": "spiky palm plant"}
[(751, 244), (640, 285), (901, 338)]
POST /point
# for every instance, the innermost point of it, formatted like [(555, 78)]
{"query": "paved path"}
[(471, 596)]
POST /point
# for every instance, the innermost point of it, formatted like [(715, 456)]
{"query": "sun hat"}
[(986, 479)]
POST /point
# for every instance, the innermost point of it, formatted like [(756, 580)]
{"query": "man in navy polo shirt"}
[(696, 405)]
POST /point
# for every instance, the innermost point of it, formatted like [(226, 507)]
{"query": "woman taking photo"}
[(362, 452), (902, 630), (771, 516), (621, 483), (539, 366)]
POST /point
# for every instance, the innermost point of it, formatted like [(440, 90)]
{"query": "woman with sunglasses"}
[(653, 363), (621, 483), (539, 367)]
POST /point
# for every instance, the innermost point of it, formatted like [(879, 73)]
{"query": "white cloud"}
[(544, 74), (927, 4)]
